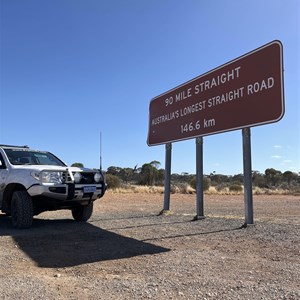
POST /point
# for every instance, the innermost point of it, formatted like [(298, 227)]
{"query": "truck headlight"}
[(77, 177), (97, 177), (51, 177)]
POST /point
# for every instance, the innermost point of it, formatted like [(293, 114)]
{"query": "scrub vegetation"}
[(150, 179)]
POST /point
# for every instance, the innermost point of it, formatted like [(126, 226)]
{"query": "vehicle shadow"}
[(65, 243)]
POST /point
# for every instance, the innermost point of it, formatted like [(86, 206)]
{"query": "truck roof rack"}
[(12, 146)]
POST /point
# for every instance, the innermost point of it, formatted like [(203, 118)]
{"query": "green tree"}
[(126, 174), (150, 175), (160, 176), (238, 178), (217, 179), (259, 179), (273, 176), (156, 164), (77, 164), (289, 176), (113, 170)]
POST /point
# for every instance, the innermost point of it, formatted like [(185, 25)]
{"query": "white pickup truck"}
[(32, 182)]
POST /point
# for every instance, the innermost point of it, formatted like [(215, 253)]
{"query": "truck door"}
[(3, 175)]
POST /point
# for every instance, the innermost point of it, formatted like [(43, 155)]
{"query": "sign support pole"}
[(248, 199), (167, 177), (199, 179)]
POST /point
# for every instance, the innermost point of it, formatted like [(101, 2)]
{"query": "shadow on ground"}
[(65, 243)]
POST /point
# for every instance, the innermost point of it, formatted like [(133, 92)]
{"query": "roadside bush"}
[(174, 189), (113, 182), (221, 187), (235, 188), (206, 183), (185, 188)]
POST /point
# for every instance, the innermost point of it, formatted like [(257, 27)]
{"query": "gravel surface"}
[(128, 251)]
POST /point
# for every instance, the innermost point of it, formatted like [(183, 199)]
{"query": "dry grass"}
[(137, 189), (187, 189), (260, 191)]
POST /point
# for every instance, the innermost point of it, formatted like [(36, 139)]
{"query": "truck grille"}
[(87, 178), (66, 177)]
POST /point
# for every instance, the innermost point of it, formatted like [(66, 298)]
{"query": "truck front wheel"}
[(82, 213), (21, 209)]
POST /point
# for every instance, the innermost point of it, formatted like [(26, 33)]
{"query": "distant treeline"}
[(151, 174)]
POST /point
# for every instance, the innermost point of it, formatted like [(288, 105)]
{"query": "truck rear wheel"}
[(82, 213), (21, 209)]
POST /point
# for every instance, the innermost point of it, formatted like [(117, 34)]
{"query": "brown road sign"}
[(245, 92)]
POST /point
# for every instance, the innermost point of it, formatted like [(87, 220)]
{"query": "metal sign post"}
[(167, 177), (247, 176), (199, 179)]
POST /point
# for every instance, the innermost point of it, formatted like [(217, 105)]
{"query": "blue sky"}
[(71, 69)]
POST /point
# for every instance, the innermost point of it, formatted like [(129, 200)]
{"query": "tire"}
[(82, 213), (21, 210)]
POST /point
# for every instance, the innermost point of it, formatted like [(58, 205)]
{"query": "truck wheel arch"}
[(7, 195)]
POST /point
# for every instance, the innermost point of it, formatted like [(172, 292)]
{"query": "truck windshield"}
[(30, 157)]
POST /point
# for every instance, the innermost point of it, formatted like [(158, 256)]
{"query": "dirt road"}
[(127, 251)]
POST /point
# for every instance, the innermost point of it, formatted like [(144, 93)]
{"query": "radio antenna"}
[(100, 151)]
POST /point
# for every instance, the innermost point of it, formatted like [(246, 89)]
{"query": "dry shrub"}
[(258, 191), (187, 189), (265, 191), (206, 183), (156, 189), (174, 189), (113, 182), (212, 191), (222, 191), (138, 189), (235, 188)]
